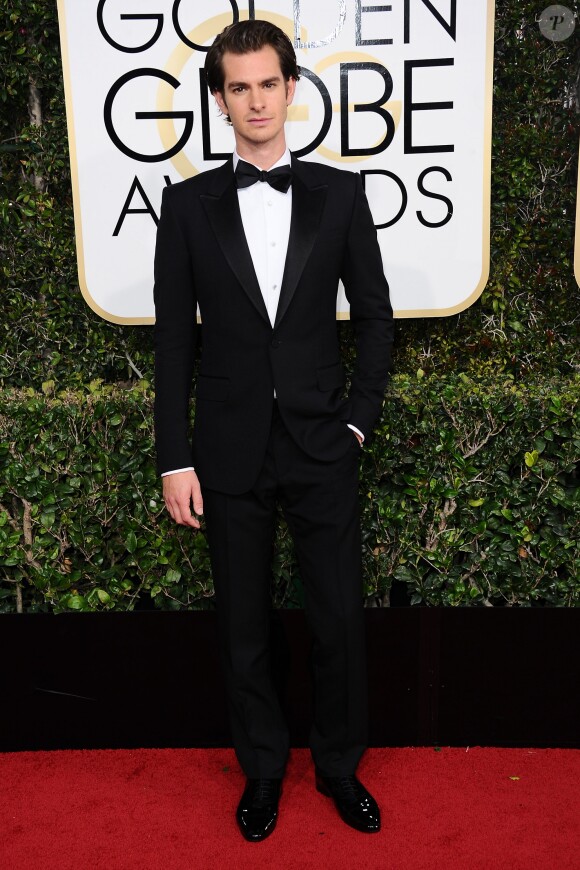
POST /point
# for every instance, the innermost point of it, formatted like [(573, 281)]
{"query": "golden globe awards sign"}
[(400, 92)]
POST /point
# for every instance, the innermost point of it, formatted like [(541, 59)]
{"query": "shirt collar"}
[(284, 160)]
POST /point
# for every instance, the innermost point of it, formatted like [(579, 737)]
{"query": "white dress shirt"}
[(266, 215)]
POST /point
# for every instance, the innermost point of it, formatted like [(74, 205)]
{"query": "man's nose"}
[(256, 99)]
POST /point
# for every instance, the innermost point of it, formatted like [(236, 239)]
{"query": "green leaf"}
[(531, 458), (47, 519), (131, 542), (172, 575)]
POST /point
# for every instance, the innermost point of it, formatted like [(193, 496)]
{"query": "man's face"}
[(256, 97)]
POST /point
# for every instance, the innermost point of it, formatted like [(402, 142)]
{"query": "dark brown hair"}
[(242, 38)]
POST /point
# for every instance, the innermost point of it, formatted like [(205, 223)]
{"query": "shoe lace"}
[(263, 791), (349, 787)]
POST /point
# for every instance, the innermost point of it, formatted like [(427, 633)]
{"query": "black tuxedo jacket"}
[(202, 257)]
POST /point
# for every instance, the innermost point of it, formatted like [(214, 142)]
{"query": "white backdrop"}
[(400, 92)]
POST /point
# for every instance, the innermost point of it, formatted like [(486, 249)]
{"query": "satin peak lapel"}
[(223, 212), (307, 205)]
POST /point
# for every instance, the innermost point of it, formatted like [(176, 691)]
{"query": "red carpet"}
[(174, 810)]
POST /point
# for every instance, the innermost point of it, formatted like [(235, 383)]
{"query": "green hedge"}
[(468, 495)]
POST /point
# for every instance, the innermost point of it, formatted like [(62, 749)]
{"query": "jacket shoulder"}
[(321, 173), (197, 185)]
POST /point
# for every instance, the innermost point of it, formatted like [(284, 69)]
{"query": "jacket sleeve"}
[(371, 314), (174, 338)]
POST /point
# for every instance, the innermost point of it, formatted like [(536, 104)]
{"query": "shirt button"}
[(274, 286), (269, 202), (273, 244)]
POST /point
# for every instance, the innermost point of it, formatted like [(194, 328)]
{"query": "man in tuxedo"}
[(260, 244)]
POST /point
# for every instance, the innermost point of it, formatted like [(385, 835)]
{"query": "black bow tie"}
[(279, 178)]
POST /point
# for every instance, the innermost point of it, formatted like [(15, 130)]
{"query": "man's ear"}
[(219, 98), (290, 90)]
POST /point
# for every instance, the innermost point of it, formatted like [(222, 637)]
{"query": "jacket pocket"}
[(212, 389), (330, 377)]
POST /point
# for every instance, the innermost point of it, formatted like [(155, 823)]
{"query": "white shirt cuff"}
[(177, 471), (358, 432)]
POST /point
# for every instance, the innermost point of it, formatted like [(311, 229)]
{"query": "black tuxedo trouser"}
[(320, 503)]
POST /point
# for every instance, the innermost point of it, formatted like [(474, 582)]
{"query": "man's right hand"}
[(180, 490)]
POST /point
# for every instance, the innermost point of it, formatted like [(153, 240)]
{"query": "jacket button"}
[(275, 343)]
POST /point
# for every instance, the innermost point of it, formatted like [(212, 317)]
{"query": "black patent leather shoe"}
[(257, 812), (355, 805)]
